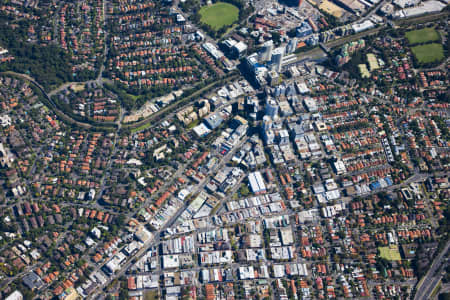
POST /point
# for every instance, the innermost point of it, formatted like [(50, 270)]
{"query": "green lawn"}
[(141, 128), (219, 14), (428, 53), (193, 124), (390, 253), (422, 36)]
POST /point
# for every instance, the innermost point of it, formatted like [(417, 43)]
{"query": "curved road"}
[(59, 112)]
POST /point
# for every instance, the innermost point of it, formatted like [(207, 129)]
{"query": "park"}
[(219, 14), (428, 53), (390, 253), (421, 36)]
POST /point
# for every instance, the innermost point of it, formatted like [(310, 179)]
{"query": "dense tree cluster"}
[(332, 21), (49, 65)]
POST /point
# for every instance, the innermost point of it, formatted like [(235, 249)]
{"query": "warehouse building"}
[(256, 182)]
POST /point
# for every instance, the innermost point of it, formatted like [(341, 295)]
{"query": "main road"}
[(428, 283), (172, 221)]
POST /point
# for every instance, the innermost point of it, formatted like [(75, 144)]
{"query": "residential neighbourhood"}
[(224, 149)]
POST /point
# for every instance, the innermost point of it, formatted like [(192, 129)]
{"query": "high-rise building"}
[(266, 52), (283, 137), (273, 78), (269, 136), (267, 132), (304, 30), (271, 107), (266, 123), (277, 58), (291, 46)]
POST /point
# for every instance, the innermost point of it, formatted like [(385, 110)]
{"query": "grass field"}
[(390, 253), (428, 53), (422, 36), (219, 14), (331, 8)]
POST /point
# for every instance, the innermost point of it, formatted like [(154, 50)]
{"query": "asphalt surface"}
[(431, 279)]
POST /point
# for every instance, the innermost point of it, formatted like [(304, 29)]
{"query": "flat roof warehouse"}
[(256, 183)]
